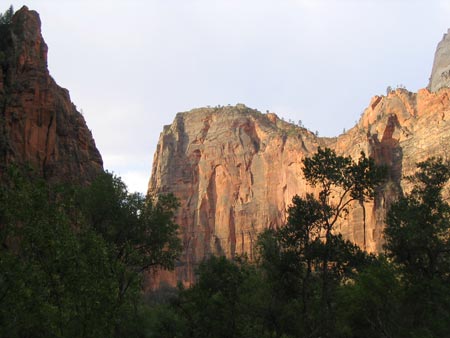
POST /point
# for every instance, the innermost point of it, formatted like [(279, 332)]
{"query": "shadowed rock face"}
[(440, 74), (236, 170), (39, 125)]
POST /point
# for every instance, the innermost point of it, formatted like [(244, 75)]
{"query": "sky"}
[(131, 65)]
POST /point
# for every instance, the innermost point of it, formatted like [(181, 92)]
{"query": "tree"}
[(418, 224), (72, 258), (227, 301), (418, 241), (55, 281), (341, 181), (371, 306), (140, 230), (311, 259), (6, 17)]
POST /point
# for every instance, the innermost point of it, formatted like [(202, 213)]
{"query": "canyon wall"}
[(235, 170), (440, 74), (39, 125)]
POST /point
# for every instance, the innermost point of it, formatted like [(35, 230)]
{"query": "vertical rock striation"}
[(39, 125), (397, 130), (236, 170)]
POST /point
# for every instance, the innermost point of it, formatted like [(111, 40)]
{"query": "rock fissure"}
[(248, 189)]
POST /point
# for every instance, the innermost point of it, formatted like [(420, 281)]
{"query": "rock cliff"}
[(235, 170), (440, 74), (39, 125)]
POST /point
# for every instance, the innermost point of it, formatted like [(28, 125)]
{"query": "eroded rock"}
[(236, 170), (39, 125)]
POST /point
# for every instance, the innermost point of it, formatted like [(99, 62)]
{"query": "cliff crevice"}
[(248, 166)]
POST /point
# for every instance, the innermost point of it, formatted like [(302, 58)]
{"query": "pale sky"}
[(131, 65)]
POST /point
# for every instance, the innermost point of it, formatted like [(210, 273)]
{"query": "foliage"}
[(418, 232), (72, 260), (67, 274), (407, 293), (140, 230), (418, 241), (228, 300), (305, 260), (6, 17), (370, 306), (310, 282), (292, 292)]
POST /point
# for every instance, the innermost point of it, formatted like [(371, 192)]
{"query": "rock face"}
[(440, 74), (398, 130), (38, 123), (236, 170)]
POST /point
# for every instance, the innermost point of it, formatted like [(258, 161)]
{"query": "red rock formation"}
[(38, 123), (236, 170)]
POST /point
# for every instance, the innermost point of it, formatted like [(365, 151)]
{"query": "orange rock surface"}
[(39, 124), (235, 170)]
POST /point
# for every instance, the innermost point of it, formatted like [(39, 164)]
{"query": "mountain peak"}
[(39, 125), (440, 74)]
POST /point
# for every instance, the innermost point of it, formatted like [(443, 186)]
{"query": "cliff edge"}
[(235, 170), (39, 125), (440, 74)]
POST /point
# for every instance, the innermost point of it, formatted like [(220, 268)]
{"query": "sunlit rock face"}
[(39, 125), (440, 74), (397, 130), (235, 170)]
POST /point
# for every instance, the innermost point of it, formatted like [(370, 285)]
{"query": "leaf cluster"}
[(72, 257), (6, 17)]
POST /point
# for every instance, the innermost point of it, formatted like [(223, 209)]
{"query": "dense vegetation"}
[(72, 258), (310, 282), (72, 262)]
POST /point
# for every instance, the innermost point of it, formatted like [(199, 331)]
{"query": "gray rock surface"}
[(440, 74)]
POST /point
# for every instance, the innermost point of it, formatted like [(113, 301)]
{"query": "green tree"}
[(371, 305), (418, 224), (55, 282), (306, 256), (6, 17), (341, 182), (228, 300), (140, 229), (418, 241), (70, 266)]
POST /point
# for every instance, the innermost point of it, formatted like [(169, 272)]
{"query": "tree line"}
[(72, 261), (72, 258), (310, 282)]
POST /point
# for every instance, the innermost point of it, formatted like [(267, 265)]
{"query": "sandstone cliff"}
[(38, 123), (236, 170), (440, 74)]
